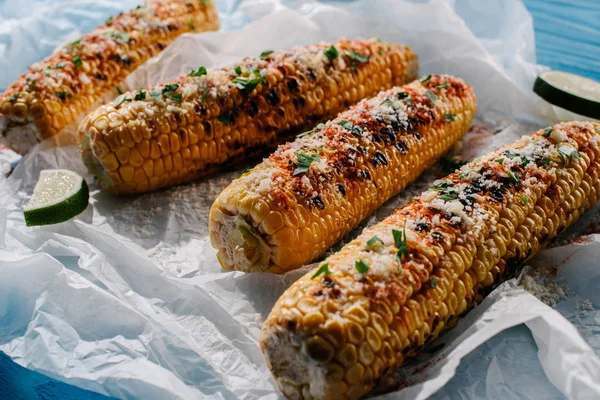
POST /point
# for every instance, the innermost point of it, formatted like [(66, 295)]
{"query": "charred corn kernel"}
[(58, 91), (457, 221), (323, 184), (235, 112)]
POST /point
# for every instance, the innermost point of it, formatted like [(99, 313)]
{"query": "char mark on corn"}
[(405, 280), (176, 132), (57, 92), (311, 192)]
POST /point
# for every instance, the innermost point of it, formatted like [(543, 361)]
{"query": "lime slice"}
[(569, 91), (58, 196)]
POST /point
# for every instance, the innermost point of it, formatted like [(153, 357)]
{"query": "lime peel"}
[(58, 196)]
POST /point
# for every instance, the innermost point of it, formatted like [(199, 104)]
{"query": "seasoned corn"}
[(176, 132), (311, 192), (58, 91), (336, 331)]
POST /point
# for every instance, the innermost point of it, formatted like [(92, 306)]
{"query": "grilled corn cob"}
[(177, 132), (58, 91), (336, 331), (311, 192)]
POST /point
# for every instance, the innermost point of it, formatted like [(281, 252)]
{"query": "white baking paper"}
[(128, 298)]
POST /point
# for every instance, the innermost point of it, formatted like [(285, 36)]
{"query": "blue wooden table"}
[(567, 38)]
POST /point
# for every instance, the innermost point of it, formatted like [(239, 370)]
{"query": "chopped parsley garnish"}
[(444, 86), (450, 117), (354, 129), (226, 118), (545, 161), (265, 54), (525, 199), (59, 66), (509, 154), (402, 95), (75, 43), (118, 89), (408, 100), (346, 124), (304, 162), (433, 283), (155, 94), (119, 100), (238, 70), (431, 96), (63, 95), (568, 156), (357, 57), (141, 95), (199, 72), (332, 53), (191, 24), (77, 61), (525, 162), (400, 242), (381, 51), (386, 102), (249, 84), (245, 171), (108, 20), (361, 266), (13, 98), (500, 160), (313, 130), (441, 184), (323, 270), (374, 243), (448, 194), (513, 177), (170, 88), (425, 78), (547, 132), (204, 93)]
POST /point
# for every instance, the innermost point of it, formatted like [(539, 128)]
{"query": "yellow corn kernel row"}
[(176, 132), (311, 192), (357, 317), (58, 91)]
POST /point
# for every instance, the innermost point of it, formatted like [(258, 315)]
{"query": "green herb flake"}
[(357, 57), (238, 70), (118, 89), (381, 51), (449, 194), (525, 162), (13, 98), (313, 130), (547, 132), (567, 156), (332, 53), (425, 78), (226, 118), (500, 160), (63, 95), (401, 243), (509, 154), (450, 117), (248, 84), (204, 93), (191, 24), (431, 96), (361, 266), (108, 21), (374, 243), (304, 162), (199, 72), (119, 100), (265, 54), (402, 95), (387, 102), (545, 161), (525, 199), (170, 88), (323, 270), (118, 36), (345, 124), (444, 86), (513, 177), (75, 43), (140, 96), (245, 171), (433, 283), (77, 61)]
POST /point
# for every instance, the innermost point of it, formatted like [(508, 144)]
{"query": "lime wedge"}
[(569, 91), (58, 196)]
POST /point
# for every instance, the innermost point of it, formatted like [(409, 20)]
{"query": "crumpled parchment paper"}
[(128, 299)]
